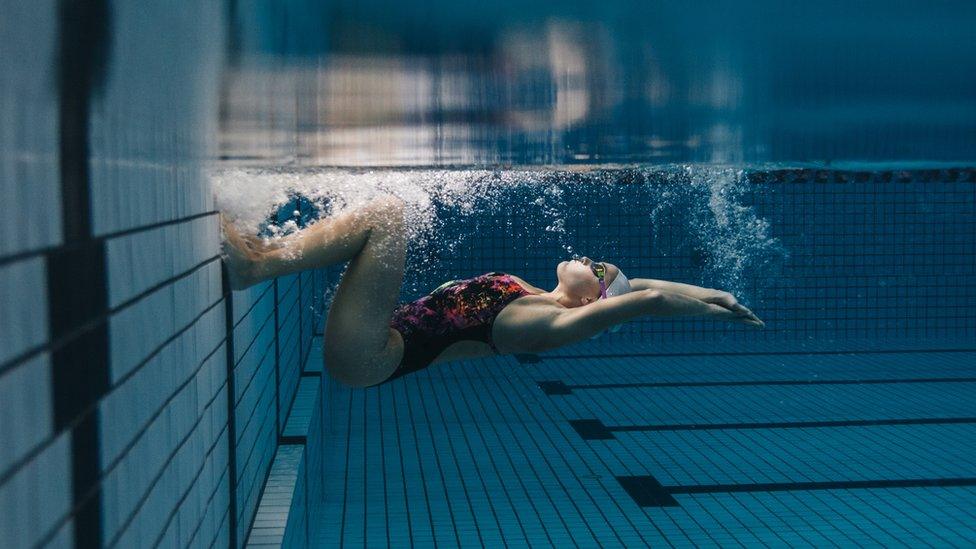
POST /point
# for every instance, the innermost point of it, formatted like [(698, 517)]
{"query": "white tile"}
[(246, 372), (153, 148), (33, 500), (25, 409), (154, 446), (64, 538), (138, 261), (245, 299), (171, 535), (29, 138), (142, 327), (250, 325), (23, 307), (137, 330)]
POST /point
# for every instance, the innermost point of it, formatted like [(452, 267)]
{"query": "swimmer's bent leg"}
[(360, 347), (326, 242)]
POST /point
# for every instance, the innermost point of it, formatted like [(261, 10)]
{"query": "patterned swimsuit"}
[(459, 310)]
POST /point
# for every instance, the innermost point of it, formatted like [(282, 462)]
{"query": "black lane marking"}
[(534, 358), (647, 491), (594, 429), (556, 387), (559, 387)]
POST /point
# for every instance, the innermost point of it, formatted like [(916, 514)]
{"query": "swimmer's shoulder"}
[(530, 288), (521, 325), (537, 302)]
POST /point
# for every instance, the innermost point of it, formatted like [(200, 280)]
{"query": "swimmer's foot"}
[(243, 256)]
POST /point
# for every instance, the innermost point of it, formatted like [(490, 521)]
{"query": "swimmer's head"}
[(581, 286)]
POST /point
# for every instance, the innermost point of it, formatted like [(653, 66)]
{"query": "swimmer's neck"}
[(561, 296)]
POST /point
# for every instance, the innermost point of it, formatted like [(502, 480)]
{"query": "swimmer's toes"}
[(240, 258)]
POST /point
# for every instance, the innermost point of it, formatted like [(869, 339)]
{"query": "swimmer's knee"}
[(387, 204), (359, 370), (385, 212), (345, 371)]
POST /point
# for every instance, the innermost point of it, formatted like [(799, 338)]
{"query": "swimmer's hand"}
[(734, 311)]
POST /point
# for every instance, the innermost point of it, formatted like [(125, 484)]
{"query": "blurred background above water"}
[(379, 82)]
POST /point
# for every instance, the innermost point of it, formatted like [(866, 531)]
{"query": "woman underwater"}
[(369, 339)]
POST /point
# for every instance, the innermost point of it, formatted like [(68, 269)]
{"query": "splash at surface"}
[(620, 214)]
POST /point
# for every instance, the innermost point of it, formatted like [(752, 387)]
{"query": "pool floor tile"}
[(481, 453)]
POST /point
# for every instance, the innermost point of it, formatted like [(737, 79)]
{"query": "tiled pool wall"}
[(879, 257), (141, 402)]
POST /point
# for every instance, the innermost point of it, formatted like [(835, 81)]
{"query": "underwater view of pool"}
[(487, 274), (847, 419)]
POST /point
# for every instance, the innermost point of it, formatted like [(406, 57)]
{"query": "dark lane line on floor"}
[(559, 387), (531, 358), (594, 429), (647, 491)]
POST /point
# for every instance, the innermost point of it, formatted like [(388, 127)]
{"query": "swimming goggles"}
[(600, 271)]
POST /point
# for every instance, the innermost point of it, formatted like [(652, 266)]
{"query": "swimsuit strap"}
[(516, 291)]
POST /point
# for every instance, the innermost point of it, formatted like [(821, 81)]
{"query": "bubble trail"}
[(701, 211)]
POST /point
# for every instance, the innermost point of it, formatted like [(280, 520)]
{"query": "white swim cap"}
[(619, 286)]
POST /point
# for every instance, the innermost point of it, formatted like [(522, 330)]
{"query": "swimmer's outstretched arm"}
[(556, 328), (689, 290), (708, 295)]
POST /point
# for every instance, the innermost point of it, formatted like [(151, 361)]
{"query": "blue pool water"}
[(850, 419), (814, 158), (726, 448)]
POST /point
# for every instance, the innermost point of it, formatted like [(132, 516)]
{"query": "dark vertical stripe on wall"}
[(84, 42), (231, 423), (277, 361), (86, 490), (77, 281), (301, 327)]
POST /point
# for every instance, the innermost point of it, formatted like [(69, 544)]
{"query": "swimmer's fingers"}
[(729, 302), (754, 322), (744, 317), (744, 311), (751, 320), (747, 316)]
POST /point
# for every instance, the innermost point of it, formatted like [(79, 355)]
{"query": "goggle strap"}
[(601, 271)]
